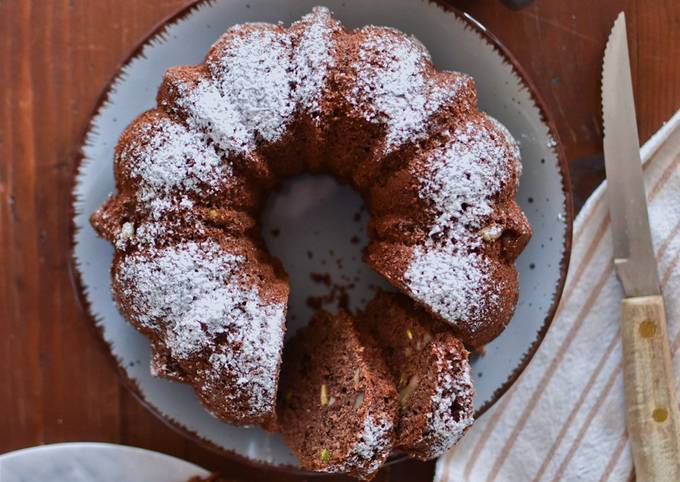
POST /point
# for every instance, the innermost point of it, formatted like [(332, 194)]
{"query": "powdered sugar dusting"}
[(166, 157), (394, 85), (209, 112), (460, 182), (313, 57), (463, 178), (262, 76), (197, 297), (452, 412), (511, 143), (451, 283), (253, 74), (373, 445)]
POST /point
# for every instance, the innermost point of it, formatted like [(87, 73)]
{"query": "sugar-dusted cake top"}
[(395, 85), (201, 302), (461, 181)]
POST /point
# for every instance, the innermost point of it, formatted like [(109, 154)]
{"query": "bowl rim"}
[(131, 385), (104, 446)]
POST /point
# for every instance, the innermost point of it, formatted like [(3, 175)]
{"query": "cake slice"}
[(337, 402), (431, 370)]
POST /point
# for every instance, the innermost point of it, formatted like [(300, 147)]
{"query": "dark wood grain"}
[(56, 383)]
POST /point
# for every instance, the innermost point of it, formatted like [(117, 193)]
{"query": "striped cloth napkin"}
[(564, 417)]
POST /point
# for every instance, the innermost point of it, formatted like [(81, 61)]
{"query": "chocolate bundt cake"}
[(439, 177), (338, 404), (429, 367)]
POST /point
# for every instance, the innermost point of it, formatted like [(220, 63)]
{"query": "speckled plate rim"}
[(157, 31)]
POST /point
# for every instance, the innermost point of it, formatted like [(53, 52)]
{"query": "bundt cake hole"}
[(320, 238)]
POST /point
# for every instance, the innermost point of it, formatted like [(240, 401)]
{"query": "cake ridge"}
[(445, 430), (461, 181), (312, 57), (200, 293), (211, 112), (397, 90), (251, 71), (164, 156)]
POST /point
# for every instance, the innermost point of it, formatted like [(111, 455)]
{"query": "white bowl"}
[(94, 462), (316, 214)]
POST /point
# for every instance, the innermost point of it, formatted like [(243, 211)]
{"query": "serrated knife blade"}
[(633, 249), (652, 412)]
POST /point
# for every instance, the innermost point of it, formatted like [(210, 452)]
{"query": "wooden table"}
[(56, 384)]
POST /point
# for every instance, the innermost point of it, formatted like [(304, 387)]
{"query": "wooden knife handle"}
[(652, 414)]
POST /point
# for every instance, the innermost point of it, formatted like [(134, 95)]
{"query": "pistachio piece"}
[(409, 334), (325, 455), (408, 390), (357, 378), (127, 231), (359, 400), (214, 214), (402, 379), (491, 233), (324, 395)]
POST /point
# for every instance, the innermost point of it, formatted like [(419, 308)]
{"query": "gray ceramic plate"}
[(314, 224), (93, 462)]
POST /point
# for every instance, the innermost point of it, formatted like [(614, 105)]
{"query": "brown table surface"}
[(56, 383)]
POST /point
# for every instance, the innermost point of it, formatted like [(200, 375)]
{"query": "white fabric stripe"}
[(600, 438)]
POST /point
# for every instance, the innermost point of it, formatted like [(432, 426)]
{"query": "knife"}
[(652, 416)]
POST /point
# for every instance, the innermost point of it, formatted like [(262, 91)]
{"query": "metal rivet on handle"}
[(660, 415), (647, 329)]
